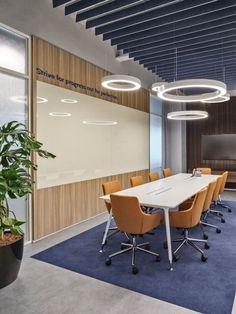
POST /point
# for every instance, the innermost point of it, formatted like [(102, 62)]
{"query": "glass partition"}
[(14, 96)]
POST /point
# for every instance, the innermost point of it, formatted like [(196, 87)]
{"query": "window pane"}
[(13, 106), (13, 51), (13, 100)]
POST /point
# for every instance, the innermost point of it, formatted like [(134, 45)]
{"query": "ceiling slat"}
[(193, 31), (106, 7), (168, 19), (198, 64), (168, 27), (80, 5), (216, 32), (170, 66), (189, 51), (206, 55), (207, 40), (133, 10), (57, 3), (153, 15)]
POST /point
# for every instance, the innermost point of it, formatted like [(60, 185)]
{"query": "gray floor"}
[(46, 289)]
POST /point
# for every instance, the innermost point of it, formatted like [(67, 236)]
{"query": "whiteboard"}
[(91, 137)]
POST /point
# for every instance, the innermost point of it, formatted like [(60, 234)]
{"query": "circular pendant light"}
[(121, 82), (163, 91), (219, 99), (187, 115)]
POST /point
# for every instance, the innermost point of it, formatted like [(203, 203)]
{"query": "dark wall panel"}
[(222, 120)]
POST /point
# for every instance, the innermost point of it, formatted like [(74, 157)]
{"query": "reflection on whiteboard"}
[(91, 137)]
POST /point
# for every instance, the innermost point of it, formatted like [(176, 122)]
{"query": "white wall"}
[(115, 141), (37, 17)]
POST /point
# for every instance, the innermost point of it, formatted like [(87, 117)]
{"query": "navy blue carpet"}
[(205, 287)]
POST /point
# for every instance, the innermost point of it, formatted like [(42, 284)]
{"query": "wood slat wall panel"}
[(222, 120), (62, 206), (58, 207), (58, 61)]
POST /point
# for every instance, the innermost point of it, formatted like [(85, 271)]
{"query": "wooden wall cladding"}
[(222, 120), (73, 69), (62, 206)]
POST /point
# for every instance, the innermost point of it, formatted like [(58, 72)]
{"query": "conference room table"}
[(167, 194)]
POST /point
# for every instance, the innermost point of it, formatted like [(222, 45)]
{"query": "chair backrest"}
[(205, 170), (167, 172), (135, 181), (127, 213), (153, 176), (109, 188), (217, 188), (209, 196), (197, 206), (223, 183)]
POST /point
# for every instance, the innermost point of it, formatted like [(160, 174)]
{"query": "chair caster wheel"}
[(222, 220), (108, 261), (218, 230), (165, 245), (220, 214), (207, 246), (158, 258), (205, 236), (204, 258), (134, 270), (229, 210), (175, 258)]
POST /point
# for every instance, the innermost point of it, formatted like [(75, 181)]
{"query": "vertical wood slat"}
[(61, 206), (57, 61)]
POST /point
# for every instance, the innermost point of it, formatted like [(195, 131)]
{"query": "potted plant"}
[(16, 166)]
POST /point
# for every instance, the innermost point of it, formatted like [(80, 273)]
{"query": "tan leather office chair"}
[(167, 172), (222, 188), (108, 188), (205, 170), (130, 219), (215, 198), (135, 181), (205, 210), (187, 219), (154, 176)]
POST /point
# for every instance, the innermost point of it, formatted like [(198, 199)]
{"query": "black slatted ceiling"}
[(175, 39)]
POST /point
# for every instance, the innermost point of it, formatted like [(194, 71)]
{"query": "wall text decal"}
[(74, 84)]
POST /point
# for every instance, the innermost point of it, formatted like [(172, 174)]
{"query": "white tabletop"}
[(169, 192)]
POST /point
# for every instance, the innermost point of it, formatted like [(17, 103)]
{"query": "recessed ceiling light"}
[(121, 82), (93, 122), (20, 99), (164, 90), (41, 100), (69, 101), (187, 115), (60, 114)]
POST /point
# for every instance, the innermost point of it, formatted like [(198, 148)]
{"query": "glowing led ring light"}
[(164, 89), (187, 115), (121, 82), (219, 99)]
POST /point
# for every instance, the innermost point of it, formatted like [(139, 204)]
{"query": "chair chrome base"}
[(224, 205), (187, 240), (133, 247), (107, 234)]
